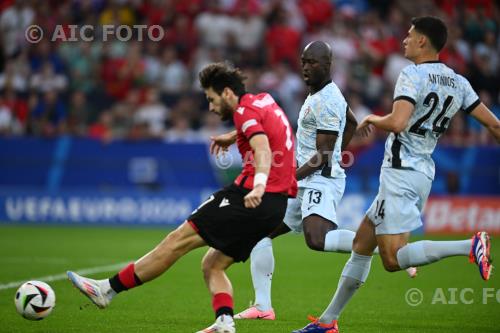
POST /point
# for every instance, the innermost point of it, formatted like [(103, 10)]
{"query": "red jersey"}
[(260, 114)]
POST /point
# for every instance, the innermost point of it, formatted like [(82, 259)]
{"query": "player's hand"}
[(364, 128), (254, 198), (220, 143)]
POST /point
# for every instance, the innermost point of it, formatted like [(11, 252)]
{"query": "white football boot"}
[(99, 292), (223, 324)]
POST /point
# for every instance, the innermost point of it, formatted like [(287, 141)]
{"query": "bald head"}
[(316, 63), (319, 51)]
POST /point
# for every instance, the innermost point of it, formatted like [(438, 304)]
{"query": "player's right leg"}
[(214, 264), (353, 276), (161, 258), (244, 228), (262, 269), (262, 264)]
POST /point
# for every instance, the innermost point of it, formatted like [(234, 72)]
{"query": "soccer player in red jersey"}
[(232, 220)]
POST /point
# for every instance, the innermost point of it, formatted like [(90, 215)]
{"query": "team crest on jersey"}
[(308, 109)]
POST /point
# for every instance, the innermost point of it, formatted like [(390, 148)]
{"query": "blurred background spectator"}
[(111, 89)]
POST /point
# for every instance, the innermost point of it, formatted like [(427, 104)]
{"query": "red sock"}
[(125, 279), (222, 303)]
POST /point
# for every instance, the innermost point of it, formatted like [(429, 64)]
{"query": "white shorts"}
[(399, 202), (317, 195)]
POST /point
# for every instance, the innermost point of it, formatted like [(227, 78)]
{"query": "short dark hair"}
[(221, 75), (433, 28)]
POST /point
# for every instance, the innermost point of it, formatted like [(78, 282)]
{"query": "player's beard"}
[(226, 111)]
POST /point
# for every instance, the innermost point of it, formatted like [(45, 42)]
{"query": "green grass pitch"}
[(178, 301)]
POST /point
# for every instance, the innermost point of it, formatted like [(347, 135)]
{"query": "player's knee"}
[(206, 269), (210, 269), (356, 242), (359, 245), (390, 264), (314, 242), (207, 266)]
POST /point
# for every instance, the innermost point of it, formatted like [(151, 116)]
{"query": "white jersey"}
[(437, 93), (324, 111)]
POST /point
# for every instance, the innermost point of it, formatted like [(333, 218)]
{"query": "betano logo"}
[(462, 215)]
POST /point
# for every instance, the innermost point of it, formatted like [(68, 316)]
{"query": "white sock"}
[(224, 321), (106, 289), (353, 276), (426, 252), (262, 268), (340, 240)]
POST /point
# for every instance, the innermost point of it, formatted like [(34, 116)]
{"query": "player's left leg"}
[(353, 276), (319, 205), (214, 265), (389, 245), (161, 258), (321, 234)]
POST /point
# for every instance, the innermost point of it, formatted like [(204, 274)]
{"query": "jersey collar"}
[(323, 87), (431, 62), (242, 97)]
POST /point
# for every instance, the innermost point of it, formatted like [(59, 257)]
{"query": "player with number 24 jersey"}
[(438, 93)]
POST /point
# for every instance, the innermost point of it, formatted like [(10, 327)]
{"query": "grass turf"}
[(178, 301)]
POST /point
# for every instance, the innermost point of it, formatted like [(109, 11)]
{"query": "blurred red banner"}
[(460, 215)]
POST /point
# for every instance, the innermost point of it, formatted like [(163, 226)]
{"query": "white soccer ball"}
[(35, 300)]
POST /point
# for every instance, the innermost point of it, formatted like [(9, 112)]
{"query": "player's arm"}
[(394, 122), (325, 143), (488, 120), (262, 159), (222, 142), (350, 128)]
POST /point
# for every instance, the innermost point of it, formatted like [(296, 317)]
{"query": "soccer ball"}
[(35, 300)]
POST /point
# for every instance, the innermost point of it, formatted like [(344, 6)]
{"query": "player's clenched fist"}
[(254, 198)]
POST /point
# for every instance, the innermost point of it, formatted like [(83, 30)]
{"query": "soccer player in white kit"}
[(326, 125), (426, 97)]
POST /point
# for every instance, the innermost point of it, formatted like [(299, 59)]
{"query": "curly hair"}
[(221, 75)]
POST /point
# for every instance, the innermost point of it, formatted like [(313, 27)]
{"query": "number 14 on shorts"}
[(380, 210)]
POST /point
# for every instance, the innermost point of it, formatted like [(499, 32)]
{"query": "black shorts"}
[(226, 225)]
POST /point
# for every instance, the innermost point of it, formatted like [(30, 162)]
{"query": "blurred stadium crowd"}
[(149, 90)]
